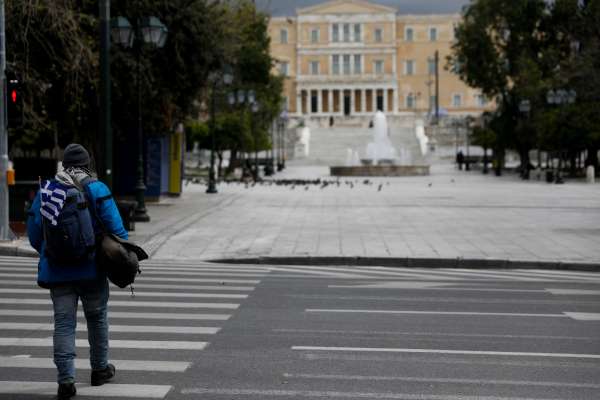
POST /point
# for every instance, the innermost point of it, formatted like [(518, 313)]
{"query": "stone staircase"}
[(330, 147)]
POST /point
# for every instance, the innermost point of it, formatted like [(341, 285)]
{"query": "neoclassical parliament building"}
[(350, 57)]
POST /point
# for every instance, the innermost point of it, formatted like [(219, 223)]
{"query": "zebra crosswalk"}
[(186, 325)]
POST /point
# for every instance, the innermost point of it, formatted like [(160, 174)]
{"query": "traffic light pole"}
[(5, 232)]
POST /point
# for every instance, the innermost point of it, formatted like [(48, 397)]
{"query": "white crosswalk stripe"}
[(124, 365), (116, 328), (184, 285), (112, 390), (140, 294), (436, 274)]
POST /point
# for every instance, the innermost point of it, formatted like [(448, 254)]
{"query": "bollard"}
[(590, 174)]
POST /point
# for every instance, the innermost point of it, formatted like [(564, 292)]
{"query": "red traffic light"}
[(14, 96)]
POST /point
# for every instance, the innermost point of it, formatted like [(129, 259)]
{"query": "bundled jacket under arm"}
[(108, 213)]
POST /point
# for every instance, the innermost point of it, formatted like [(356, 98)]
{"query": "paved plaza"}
[(448, 214)]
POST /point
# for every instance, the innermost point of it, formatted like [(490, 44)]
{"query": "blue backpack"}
[(71, 243)]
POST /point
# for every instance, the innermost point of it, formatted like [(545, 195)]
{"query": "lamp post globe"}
[(241, 96), (251, 98), (121, 31), (231, 98), (228, 76), (152, 30)]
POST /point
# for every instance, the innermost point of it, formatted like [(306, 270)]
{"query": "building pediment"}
[(346, 7)]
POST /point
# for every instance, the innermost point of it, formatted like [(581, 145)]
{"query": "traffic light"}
[(14, 100)]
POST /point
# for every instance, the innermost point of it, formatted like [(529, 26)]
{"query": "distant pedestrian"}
[(460, 159), (61, 228), (331, 122)]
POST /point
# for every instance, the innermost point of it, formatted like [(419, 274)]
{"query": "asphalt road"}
[(270, 332)]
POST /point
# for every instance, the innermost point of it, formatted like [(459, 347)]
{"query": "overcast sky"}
[(288, 7)]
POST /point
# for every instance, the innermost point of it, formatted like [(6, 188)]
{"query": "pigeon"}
[(430, 184), (306, 188), (452, 180), (379, 190)]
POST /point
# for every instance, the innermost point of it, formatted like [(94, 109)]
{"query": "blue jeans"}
[(93, 293)]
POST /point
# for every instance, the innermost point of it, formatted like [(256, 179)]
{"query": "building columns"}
[(374, 99), (352, 101), (395, 98), (299, 107), (330, 101), (319, 101), (386, 107), (363, 101)]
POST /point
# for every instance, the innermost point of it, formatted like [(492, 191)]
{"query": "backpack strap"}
[(79, 187), (86, 181)]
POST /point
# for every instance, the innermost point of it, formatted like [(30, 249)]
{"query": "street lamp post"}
[(279, 145), (283, 123), (241, 98), (524, 108), (255, 111), (468, 120), (499, 149), (456, 124), (152, 33), (560, 97), (217, 78), (486, 116), (269, 171)]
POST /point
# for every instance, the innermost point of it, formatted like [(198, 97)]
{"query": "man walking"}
[(77, 277)]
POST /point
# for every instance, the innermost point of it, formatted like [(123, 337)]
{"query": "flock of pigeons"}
[(292, 183)]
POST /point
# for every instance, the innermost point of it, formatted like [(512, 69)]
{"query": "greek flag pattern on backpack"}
[(53, 198)]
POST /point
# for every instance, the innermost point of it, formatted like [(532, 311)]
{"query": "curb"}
[(415, 262), (18, 251)]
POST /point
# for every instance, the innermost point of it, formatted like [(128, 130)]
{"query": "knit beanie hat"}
[(75, 156)]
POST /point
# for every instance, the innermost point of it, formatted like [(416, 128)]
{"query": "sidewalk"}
[(448, 215)]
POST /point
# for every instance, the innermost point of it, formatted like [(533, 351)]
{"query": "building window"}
[(346, 64), (433, 34), (409, 67), (336, 32), (379, 67), (432, 101), (432, 68), (357, 32), (410, 101), (457, 100), (409, 35), (454, 29), (286, 103), (481, 100), (346, 32), (314, 68), (283, 33), (357, 64), (314, 36), (283, 68), (378, 35), (336, 65)]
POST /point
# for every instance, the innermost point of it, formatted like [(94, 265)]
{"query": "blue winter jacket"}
[(107, 211)]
